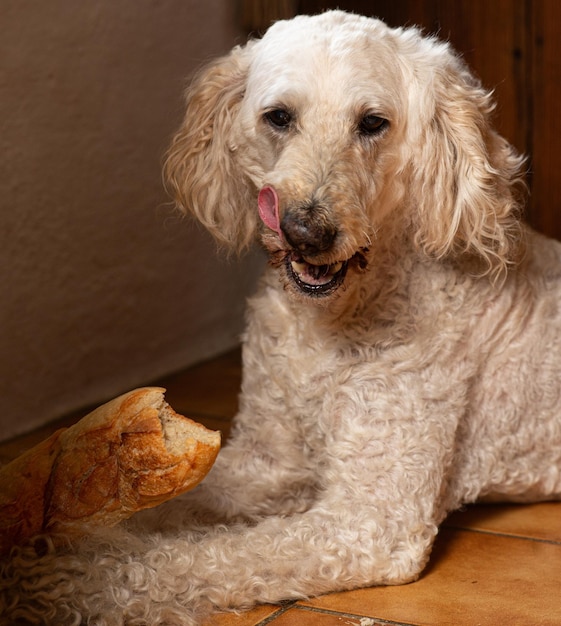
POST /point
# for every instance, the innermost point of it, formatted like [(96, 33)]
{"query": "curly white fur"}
[(402, 355)]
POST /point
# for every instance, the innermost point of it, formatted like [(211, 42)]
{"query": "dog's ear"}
[(199, 169), (467, 178)]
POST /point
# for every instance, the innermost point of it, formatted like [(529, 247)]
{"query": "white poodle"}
[(403, 351)]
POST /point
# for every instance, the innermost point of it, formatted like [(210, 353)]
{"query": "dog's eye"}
[(278, 118), (372, 125)]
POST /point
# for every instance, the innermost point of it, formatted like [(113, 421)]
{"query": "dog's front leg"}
[(383, 482), (342, 543), (374, 525)]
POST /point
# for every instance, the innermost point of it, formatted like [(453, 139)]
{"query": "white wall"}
[(102, 287)]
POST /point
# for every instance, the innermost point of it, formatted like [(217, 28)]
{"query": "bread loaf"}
[(132, 453)]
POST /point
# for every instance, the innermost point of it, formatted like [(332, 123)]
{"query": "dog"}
[(403, 350)]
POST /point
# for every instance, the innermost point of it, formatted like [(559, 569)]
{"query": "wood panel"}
[(546, 137)]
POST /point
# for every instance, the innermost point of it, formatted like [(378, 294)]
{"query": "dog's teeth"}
[(305, 268), (299, 268)]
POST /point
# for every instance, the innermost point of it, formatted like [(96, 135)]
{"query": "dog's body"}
[(403, 352)]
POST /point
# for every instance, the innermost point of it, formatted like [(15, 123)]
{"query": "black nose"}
[(308, 231)]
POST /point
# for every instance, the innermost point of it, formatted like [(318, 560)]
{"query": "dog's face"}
[(316, 131), (333, 138)]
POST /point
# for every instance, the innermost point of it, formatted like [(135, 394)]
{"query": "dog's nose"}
[(308, 232)]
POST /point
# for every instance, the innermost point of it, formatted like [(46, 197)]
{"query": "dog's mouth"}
[(315, 280)]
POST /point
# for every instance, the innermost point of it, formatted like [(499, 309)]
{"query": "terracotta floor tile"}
[(207, 390), (539, 521), (473, 578)]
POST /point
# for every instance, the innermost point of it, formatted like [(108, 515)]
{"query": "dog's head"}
[(334, 131)]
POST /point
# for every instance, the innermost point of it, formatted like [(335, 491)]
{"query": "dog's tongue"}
[(268, 202)]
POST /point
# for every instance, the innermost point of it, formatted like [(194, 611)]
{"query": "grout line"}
[(505, 535), (277, 613), (363, 619)]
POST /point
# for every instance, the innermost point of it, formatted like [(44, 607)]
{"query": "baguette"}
[(130, 454)]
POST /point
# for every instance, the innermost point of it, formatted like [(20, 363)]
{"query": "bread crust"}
[(131, 453)]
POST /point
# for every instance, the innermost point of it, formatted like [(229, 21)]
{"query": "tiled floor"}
[(491, 565)]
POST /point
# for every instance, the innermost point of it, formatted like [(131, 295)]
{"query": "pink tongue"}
[(268, 202)]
